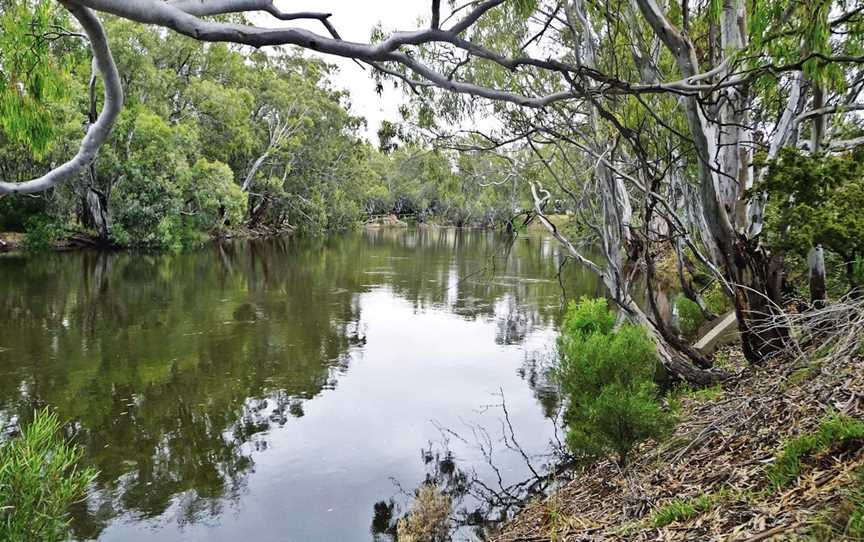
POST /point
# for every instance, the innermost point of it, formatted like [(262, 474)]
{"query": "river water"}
[(278, 390)]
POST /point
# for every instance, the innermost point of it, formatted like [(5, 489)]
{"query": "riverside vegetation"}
[(714, 147), (40, 478)]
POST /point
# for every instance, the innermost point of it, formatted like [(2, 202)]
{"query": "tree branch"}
[(98, 132)]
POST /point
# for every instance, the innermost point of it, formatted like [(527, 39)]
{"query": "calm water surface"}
[(275, 391)]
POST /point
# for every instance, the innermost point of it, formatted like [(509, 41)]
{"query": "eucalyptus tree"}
[(653, 95)]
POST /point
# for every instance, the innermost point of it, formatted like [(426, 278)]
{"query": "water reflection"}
[(188, 374)]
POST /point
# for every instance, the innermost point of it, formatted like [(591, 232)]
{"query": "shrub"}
[(834, 431), (429, 519), (39, 480), (606, 377), (41, 233), (690, 316), (147, 211), (716, 299)]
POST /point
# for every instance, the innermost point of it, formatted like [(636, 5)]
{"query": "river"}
[(277, 390)]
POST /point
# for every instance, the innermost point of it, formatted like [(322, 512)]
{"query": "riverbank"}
[(759, 459), (16, 242)]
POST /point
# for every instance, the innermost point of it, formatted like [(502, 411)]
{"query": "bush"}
[(690, 316), (41, 234), (39, 481), (607, 380), (429, 520), (146, 211)]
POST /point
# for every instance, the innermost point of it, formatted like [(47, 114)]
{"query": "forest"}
[(212, 141), (700, 162)]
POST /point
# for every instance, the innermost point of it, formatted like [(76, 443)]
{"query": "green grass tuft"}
[(835, 431), (684, 509)]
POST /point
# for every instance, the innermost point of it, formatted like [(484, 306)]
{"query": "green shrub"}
[(690, 317), (41, 234), (606, 378), (147, 211), (835, 431), (716, 299), (211, 195), (39, 481)]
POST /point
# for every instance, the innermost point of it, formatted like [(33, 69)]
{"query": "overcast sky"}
[(354, 19)]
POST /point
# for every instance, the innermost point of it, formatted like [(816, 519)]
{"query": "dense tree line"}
[(214, 139)]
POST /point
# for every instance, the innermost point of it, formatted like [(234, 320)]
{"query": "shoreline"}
[(711, 479)]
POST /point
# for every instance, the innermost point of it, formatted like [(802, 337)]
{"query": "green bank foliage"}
[(201, 121), (607, 379), (39, 481), (33, 72), (819, 199), (690, 316), (834, 433)]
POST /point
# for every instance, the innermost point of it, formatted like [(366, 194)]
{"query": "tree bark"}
[(818, 290)]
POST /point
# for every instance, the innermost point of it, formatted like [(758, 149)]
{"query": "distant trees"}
[(213, 138)]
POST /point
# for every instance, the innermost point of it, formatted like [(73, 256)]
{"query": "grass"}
[(802, 375), (835, 431), (556, 520), (682, 509)]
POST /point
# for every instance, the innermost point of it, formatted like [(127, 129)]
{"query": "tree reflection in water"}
[(176, 367)]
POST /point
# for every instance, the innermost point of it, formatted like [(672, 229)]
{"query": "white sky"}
[(354, 20)]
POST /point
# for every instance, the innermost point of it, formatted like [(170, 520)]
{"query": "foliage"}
[(817, 199), (197, 117), (33, 71), (147, 211), (606, 376), (212, 197), (834, 432), (39, 481), (429, 519), (690, 316), (716, 299), (41, 234)]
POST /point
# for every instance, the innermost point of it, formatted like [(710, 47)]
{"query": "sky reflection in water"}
[(274, 391)]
